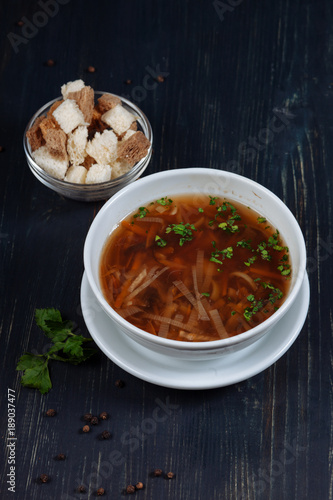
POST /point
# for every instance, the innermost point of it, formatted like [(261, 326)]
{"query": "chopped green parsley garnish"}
[(159, 241), (261, 220), (143, 211), (250, 260), (184, 230), (164, 201)]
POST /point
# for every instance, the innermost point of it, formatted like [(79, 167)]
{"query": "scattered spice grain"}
[(128, 82), (87, 417), (19, 23), (44, 478), (100, 492), (81, 489), (160, 78), (105, 435), (50, 63), (120, 384), (157, 472), (86, 428), (170, 475), (130, 488), (139, 485), (61, 456), (103, 415), (91, 69), (51, 413), (94, 421)]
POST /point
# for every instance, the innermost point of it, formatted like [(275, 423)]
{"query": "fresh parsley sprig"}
[(66, 346)]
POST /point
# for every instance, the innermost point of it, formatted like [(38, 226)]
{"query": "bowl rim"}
[(207, 345), (139, 166)]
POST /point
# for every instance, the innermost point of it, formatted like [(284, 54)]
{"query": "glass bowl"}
[(91, 192)]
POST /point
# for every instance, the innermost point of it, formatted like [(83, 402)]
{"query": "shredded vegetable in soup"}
[(195, 271)]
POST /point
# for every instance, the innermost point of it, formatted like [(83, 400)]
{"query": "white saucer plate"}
[(175, 373)]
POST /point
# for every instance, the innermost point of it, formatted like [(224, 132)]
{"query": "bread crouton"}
[(107, 102), (51, 165), (96, 124), (98, 173), (76, 174), (54, 106), (127, 134), (103, 147), (88, 162), (119, 119), (48, 124), (76, 145), (69, 116), (134, 148), (56, 141), (34, 134), (119, 167), (71, 87), (85, 100), (134, 127)]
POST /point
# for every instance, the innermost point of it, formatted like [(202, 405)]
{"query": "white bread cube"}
[(76, 145), (103, 147), (69, 116), (98, 173), (119, 119), (50, 164), (128, 134), (76, 174), (119, 167), (71, 87)]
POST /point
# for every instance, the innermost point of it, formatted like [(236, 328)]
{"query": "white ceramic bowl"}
[(91, 192), (195, 181)]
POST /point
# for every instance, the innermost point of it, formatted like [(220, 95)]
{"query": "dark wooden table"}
[(229, 69)]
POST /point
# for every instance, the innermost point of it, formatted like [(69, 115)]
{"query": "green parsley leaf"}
[(159, 241), (43, 315), (205, 294), (164, 201), (36, 373), (66, 346), (261, 220), (184, 230), (143, 211)]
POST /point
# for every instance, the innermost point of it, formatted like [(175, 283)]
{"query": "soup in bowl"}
[(195, 262)]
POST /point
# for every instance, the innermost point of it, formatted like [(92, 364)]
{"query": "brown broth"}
[(229, 275)]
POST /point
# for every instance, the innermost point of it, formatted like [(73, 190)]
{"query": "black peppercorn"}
[(44, 478), (170, 475), (94, 421), (120, 384), (130, 488), (86, 428), (139, 485), (103, 415), (51, 413), (87, 417), (157, 472), (100, 492), (61, 456), (105, 435), (81, 489)]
